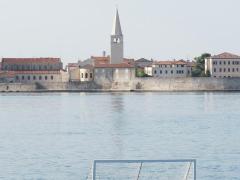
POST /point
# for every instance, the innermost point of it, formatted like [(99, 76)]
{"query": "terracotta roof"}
[(180, 62), (106, 60), (7, 74), (122, 65), (191, 64), (87, 66), (73, 65), (143, 60), (225, 55), (101, 59), (31, 60)]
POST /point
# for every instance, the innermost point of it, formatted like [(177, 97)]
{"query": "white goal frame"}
[(190, 161)]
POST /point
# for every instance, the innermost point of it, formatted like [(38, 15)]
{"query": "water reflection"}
[(117, 105), (208, 102)]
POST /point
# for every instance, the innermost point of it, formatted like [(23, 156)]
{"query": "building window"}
[(90, 75), (86, 75), (171, 71), (214, 70), (51, 77), (22, 77), (34, 77), (166, 72), (29, 77), (233, 62), (155, 72), (182, 65), (220, 62), (224, 70), (82, 75), (229, 62), (224, 62), (40, 77), (237, 69), (45, 77), (229, 70), (17, 78), (220, 70), (233, 69)]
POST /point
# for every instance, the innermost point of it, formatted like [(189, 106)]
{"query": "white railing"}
[(191, 162)]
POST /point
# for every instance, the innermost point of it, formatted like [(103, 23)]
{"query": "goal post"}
[(192, 166)]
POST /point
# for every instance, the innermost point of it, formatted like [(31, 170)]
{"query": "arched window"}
[(90, 75), (45, 77), (86, 75)]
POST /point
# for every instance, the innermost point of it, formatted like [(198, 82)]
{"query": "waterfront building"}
[(116, 41), (223, 65), (80, 73), (107, 73), (142, 62), (31, 70), (169, 69)]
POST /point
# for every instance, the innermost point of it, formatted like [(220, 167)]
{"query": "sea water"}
[(58, 135)]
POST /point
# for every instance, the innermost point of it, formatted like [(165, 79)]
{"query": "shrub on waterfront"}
[(140, 73), (199, 69)]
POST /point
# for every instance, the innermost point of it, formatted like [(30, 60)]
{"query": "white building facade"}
[(223, 65), (168, 69)]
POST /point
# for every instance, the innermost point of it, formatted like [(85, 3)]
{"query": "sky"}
[(158, 29)]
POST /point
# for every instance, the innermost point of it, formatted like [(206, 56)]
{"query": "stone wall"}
[(17, 87), (186, 84), (138, 84)]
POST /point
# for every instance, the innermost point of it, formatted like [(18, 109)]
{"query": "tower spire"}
[(116, 41), (116, 30)]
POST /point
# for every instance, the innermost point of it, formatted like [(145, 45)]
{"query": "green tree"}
[(199, 69)]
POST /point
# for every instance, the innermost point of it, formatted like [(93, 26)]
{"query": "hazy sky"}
[(159, 29)]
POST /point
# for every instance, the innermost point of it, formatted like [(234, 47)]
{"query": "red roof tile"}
[(122, 65), (225, 55), (180, 62), (31, 60)]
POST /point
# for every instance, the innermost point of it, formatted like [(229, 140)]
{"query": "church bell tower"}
[(116, 41)]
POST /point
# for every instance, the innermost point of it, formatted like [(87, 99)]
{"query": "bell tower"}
[(116, 41)]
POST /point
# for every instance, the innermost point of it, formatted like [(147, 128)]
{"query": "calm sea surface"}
[(58, 135)]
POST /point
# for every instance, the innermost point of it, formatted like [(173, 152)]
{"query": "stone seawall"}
[(17, 87), (187, 84), (138, 84)]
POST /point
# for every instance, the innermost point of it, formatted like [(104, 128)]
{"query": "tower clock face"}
[(117, 40)]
